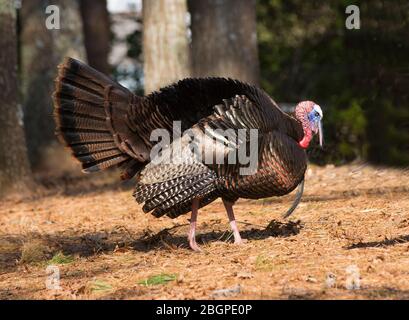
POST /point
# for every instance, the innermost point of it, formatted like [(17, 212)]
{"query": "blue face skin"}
[(315, 121), (314, 118)]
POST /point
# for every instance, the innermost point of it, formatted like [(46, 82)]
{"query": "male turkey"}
[(105, 125)]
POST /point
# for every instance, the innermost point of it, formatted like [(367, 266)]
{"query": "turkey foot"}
[(192, 232), (233, 224)]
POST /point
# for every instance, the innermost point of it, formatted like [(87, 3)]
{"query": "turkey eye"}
[(317, 114)]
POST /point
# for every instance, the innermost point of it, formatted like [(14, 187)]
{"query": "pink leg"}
[(232, 219), (192, 232)]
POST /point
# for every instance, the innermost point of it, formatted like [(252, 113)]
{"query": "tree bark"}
[(41, 51), (224, 39), (165, 43), (97, 33), (15, 174)]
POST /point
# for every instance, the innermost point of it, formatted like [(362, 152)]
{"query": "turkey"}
[(105, 126)]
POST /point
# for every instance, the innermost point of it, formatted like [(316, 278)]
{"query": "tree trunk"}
[(165, 43), (15, 174), (42, 50), (224, 39), (97, 33)]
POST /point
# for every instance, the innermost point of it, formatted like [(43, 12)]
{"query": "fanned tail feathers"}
[(86, 104)]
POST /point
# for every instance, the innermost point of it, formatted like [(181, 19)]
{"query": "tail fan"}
[(91, 112)]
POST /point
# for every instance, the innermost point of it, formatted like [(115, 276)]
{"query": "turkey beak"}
[(320, 133)]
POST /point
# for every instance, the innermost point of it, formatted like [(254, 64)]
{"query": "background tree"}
[(165, 42), (41, 51), (224, 39), (15, 172), (97, 33)]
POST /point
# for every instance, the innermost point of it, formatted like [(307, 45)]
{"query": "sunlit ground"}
[(350, 231)]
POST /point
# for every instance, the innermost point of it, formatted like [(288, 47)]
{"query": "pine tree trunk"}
[(15, 174), (165, 43), (41, 51), (97, 33), (224, 39)]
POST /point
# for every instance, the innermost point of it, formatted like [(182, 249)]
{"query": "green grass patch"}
[(99, 286), (162, 278), (61, 258), (263, 263)]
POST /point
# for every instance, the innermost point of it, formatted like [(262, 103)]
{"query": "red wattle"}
[(304, 143)]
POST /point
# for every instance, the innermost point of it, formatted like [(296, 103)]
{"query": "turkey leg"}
[(232, 220), (192, 232)]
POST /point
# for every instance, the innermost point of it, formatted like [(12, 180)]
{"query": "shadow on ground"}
[(370, 292), (383, 243), (85, 245)]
